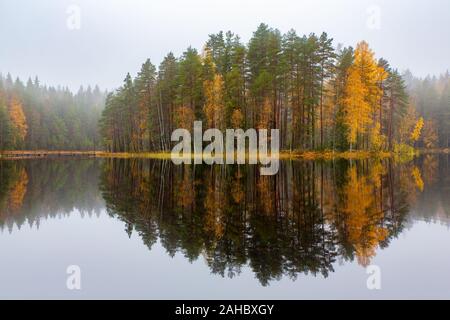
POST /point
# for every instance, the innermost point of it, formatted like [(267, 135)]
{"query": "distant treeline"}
[(319, 96), (33, 116), (34, 190), (431, 99)]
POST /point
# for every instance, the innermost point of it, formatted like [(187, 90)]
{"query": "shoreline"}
[(283, 155)]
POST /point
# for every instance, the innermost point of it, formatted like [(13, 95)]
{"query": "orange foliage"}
[(363, 219), (361, 96), (18, 117), (16, 195), (214, 108), (184, 118), (237, 119), (214, 209)]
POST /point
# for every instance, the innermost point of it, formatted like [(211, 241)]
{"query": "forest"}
[(321, 95), (36, 117)]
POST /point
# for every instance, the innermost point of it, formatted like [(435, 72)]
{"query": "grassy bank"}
[(329, 155), (285, 155)]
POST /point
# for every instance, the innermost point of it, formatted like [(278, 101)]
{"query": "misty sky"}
[(117, 36)]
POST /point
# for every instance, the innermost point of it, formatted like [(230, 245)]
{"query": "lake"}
[(141, 228)]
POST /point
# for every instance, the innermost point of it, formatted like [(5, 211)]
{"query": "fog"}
[(115, 37)]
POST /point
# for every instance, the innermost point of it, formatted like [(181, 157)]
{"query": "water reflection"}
[(301, 221), (32, 190)]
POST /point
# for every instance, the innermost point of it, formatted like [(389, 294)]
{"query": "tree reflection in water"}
[(303, 220)]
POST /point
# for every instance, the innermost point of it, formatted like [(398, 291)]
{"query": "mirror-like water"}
[(149, 229)]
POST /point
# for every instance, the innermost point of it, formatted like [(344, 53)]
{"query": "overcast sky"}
[(116, 36)]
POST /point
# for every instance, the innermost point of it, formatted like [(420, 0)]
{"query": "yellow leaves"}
[(376, 171), (371, 74), (376, 138), (417, 178), (363, 218), (18, 117), (237, 119), (16, 194), (214, 209), (214, 108), (427, 130), (376, 89), (184, 118), (361, 96), (363, 54), (415, 135), (381, 74), (407, 124), (357, 110)]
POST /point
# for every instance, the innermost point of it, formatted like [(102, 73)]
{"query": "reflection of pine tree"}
[(297, 222)]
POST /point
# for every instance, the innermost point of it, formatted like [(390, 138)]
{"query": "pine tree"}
[(190, 82), (397, 102), (167, 92), (339, 83), (263, 60), (326, 63), (5, 128), (149, 118)]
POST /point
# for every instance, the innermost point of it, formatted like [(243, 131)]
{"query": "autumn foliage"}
[(320, 97)]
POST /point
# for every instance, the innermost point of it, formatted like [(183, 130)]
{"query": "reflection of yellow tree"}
[(410, 178), (214, 204), (417, 178), (361, 96), (376, 172), (184, 196), (18, 117), (237, 191), (363, 219), (16, 194)]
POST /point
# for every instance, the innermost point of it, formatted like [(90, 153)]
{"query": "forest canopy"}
[(321, 95), (36, 117)]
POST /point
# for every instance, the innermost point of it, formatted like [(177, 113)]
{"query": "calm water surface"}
[(149, 229)]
